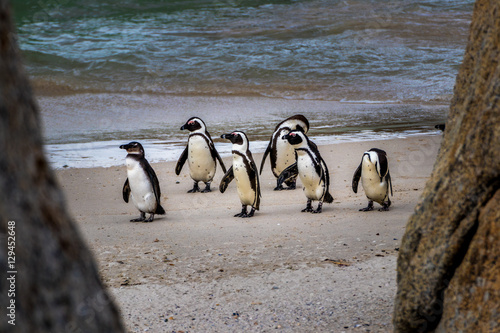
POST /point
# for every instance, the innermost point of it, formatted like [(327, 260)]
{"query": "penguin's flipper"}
[(226, 179), (215, 155), (322, 170), (126, 191), (255, 184), (328, 197), (290, 172), (221, 163), (268, 150), (318, 162), (156, 187), (384, 166), (159, 210), (389, 180), (326, 175), (181, 161), (356, 177)]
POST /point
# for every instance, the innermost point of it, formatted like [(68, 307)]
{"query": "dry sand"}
[(199, 269)]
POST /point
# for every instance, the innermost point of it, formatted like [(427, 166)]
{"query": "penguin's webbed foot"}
[(244, 212), (308, 207), (368, 208), (319, 209), (278, 188), (385, 207), (150, 219), (250, 214), (195, 188), (207, 188), (291, 185), (140, 218)]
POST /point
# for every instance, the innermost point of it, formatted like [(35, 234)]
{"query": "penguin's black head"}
[(302, 124), (193, 124), (375, 154), (295, 123), (300, 128), (133, 148), (294, 137), (235, 137)]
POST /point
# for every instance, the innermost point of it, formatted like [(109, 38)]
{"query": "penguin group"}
[(292, 156), (282, 154)]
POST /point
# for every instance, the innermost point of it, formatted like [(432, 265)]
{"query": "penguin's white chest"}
[(285, 154), (243, 182), (201, 163), (141, 189), (314, 185), (375, 189)]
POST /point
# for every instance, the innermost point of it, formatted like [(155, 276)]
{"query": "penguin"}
[(201, 155), (440, 127), (311, 168), (281, 153), (375, 178), (142, 183), (244, 171)]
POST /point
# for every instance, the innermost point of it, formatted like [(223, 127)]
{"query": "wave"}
[(401, 50)]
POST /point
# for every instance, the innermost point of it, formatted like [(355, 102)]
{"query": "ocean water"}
[(108, 72)]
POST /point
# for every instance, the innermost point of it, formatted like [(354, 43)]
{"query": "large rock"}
[(448, 267), (53, 283)]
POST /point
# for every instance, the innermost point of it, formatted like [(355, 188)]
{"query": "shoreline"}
[(199, 269), (88, 118), (57, 91), (105, 154), (85, 130)]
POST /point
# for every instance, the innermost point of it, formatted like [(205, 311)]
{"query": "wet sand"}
[(199, 269)]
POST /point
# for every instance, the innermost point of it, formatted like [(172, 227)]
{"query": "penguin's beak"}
[(226, 136), (183, 127), (129, 146)]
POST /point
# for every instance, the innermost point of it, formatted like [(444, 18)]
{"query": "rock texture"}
[(55, 286), (448, 267)]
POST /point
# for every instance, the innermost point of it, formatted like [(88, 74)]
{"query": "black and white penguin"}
[(311, 168), (281, 153), (142, 183), (375, 178), (245, 173), (201, 155)]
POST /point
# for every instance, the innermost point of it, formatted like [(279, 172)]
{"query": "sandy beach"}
[(199, 269)]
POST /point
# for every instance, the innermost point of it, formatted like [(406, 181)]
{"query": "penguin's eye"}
[(191, 122), (292, 134)]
